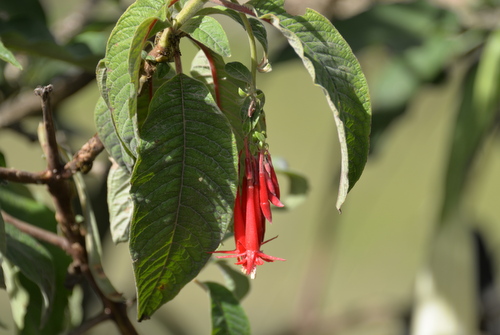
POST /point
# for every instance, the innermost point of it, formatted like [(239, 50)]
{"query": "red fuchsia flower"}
[(251, 209)]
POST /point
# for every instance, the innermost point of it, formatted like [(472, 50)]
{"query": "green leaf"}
[(120, 86), (183, 187), (331, 63), (107, 134), (93, 242), (258, 28), (120, 204), (17, 200), (18, 296), (475, 120), (236, 281), (239, 71), (224, 89), (7, 56), (34, 261), (228, 317), (144, 31), (208, 31), (100, 78)]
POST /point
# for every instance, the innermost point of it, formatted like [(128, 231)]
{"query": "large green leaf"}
[(331, 63), (183, 187), (208, 31), (34, 261), (228, 317), (121, 87), (120, 204), (105, 123), (108, 136)]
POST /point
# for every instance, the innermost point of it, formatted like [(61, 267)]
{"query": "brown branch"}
[(41, 234), (83, 159), (51, 149), (89, 324), (61, 193), (82, 162), (24, 177)]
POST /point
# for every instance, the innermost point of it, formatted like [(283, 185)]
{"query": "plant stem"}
[(253, 49), (88, 324), (24, 177), (178, 62), (40, 234), (51, 148), (188, 11), (83, 159), (81, 162)]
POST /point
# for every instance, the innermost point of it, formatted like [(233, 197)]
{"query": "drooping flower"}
[(258, 189)]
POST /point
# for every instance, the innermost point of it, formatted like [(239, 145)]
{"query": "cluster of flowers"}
[(252, 207)]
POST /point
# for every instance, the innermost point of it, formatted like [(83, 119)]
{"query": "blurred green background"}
[(395, 261)]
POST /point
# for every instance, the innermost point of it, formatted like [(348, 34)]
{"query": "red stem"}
[(213, 70)]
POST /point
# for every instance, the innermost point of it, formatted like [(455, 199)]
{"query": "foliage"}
[(180, 147), (185, 137)]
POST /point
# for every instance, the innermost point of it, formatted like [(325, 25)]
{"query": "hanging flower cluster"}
[(259, 188)]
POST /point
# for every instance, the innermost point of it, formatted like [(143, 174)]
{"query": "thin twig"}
[(40, 234), (81, 162), (83, 159), (25, 177), (51, 148), (88, 324)]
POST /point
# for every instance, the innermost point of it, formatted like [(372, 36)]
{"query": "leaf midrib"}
[(179, 205)]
